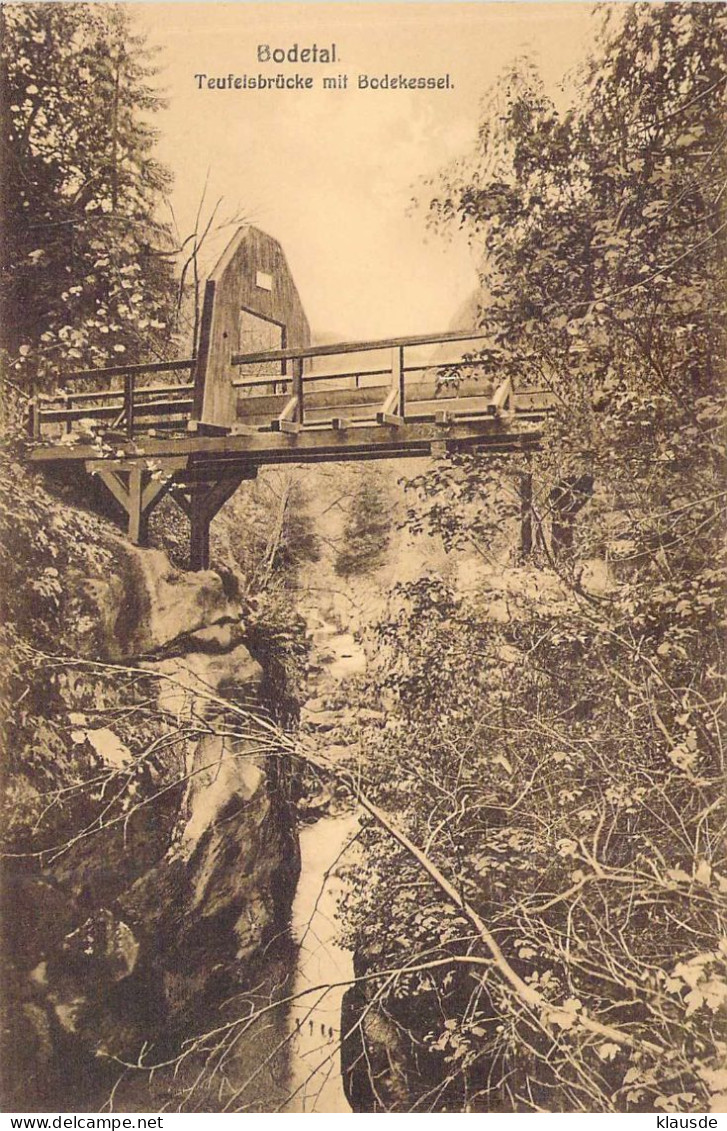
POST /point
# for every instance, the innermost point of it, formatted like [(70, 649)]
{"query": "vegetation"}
[(367, 527), (85, 271), (565, 770)]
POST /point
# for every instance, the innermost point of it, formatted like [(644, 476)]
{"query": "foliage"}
[(566, 769), (366, 531), (44, 547), (80, 749), (470, 506), (598, 229), (85, 278)]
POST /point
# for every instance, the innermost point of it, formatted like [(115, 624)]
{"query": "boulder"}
[(104, 946), (143, 604)]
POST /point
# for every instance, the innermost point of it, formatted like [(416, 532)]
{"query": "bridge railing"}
[(392, 410), (121, 406), (127, 404)]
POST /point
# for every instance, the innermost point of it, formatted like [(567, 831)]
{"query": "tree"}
[(85, 275), (367, 529), (566, 769)]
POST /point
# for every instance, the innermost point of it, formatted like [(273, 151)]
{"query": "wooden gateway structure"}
[(259, 393)]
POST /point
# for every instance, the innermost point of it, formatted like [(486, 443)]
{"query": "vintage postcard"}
[(362, 559)]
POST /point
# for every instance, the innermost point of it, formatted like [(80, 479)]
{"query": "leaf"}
[(694, 1000), (567, 1015), (703, 873), (562, 1019), (679, 876), (109, 747)]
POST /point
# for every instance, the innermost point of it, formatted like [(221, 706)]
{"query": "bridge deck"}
[(144, 439), (282, 416)]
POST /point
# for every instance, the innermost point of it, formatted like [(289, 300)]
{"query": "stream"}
[(288, 1059), (315, 1020)]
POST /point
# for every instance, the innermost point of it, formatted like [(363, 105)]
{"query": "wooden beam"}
[(340, 375), (122, 370), (205, 502), (137, 525), (201, 429), (391, 400), (398, 377), (358, 347), (81, 395), (502, 396), (181, 499), (263, 447), (199, 535), (112, 411), (168, 463), (138, 496), (220, 492), (203, 352), (210, 471), (153, 492), (387, 414), (374, 396), (114, 485), (298, 389), (34, 416), (287, 420), (526, 514)]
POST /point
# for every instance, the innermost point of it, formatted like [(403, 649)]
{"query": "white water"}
[(315, 1019), (288, 1059)]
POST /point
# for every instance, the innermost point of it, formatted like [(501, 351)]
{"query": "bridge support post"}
[(201, 502), (136, 492), (526, 515), (567, 499)]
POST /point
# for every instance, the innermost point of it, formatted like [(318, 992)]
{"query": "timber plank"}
[(359, 347), (261, 447)]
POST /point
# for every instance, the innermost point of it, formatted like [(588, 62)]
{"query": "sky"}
[(331, 173)]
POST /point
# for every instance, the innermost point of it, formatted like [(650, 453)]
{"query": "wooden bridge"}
[(198, 439)]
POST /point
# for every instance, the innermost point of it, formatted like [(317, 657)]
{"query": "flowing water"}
[(288, 1058), (315, 1019), (311, 1079)]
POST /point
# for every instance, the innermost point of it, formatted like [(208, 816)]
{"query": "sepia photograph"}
[(362, 559)]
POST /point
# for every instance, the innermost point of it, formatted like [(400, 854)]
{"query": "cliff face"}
[(150, 837)]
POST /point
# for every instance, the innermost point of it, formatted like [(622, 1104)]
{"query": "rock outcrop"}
[(126, 926)]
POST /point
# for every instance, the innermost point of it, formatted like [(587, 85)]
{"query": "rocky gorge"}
[(151, 850), (154, 823)]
